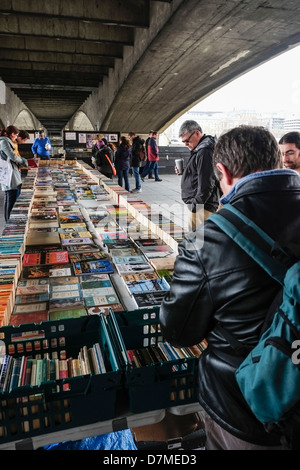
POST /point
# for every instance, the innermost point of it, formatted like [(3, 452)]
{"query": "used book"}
[(45, 257), (92, 267)]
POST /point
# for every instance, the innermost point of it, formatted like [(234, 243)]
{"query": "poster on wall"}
[(80, 141)]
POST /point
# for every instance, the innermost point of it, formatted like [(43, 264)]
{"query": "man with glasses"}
[(290, 149), (199, 186)]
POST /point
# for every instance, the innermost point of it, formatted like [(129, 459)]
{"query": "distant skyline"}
[(271, 87)]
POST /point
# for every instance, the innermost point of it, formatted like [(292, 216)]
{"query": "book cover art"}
[(98, 291), (32, 286), (101, 300), (45, 271), (30, 308), (31, 298), (75, 312), (22, 318), (73, 234), (133, 268), (149, 299), (95, 277), (63, 281), (77, 241), (87, 256), (149, 285), (90, 267), (65, 303), (82, 248), (163, 263), (45, 257)]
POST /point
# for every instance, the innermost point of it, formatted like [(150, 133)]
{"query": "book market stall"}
[(84, 266)]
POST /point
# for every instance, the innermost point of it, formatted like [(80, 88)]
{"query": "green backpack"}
[(269, 376)]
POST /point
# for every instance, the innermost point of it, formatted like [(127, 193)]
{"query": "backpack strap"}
[(274, 267)]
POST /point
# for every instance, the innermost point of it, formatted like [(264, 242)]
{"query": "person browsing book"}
[(7, 152), (218, 287), (122, 162), (104, 158), (199, 186), (41, 146)]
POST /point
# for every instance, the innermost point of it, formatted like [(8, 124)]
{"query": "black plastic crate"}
[(157, 385), (29, 411)]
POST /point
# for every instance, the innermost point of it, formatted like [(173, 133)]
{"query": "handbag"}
[(112, 167), (6, 171)]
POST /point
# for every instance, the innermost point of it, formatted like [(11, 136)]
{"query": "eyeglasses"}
[(186, 141)]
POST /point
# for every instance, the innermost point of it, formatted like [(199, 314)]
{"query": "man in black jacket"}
[(199, 186), (216, 283)]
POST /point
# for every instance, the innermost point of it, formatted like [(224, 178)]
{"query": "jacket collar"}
[(260, 174)]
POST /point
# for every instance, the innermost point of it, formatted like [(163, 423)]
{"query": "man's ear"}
[(226, 175)]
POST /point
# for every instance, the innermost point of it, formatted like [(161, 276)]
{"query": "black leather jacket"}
[(198, 182), (219, 283)]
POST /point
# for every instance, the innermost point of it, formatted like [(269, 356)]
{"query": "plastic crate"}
[(157, 385), (29, 411)]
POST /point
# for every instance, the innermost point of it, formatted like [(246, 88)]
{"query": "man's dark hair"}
[(291, 138), (247, 149), (24, 134)]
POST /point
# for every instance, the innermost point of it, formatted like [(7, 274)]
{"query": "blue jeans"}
[(153, 166), (136, 174), (123, 174)]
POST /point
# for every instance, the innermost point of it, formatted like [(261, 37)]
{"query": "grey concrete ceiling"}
[(55, 55)]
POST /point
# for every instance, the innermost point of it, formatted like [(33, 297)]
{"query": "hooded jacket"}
[(198, 182), (7, 153), (216, 282)]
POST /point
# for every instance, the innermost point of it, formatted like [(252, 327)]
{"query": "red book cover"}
[(46, 257)]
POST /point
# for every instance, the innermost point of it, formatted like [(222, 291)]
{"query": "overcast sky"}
[(274, 86)]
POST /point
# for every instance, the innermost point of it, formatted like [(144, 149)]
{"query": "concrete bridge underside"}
[(133, 64)]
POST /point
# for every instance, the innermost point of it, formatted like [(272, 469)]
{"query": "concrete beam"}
[(133, 13)]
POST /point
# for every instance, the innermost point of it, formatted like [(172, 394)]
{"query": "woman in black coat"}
[(122, 162)]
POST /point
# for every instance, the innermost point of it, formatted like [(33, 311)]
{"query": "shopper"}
[(7, 138), (216, 284), (22, 138), (153, 157), (122, 162), (136, 144), (104, 159), (200, 190), (41, 146)]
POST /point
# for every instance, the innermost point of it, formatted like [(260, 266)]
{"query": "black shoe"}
[(143, 179), (150, 177), (158, 179)]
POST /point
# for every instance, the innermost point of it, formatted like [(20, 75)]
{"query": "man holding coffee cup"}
[(200, 189)]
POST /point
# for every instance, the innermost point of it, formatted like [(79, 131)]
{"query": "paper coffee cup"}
[(179, 165)]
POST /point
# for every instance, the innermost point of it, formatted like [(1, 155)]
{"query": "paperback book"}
[(92, 267), (34, 272), (32, 286), (149, 299), (149, 285), (45, 257)]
